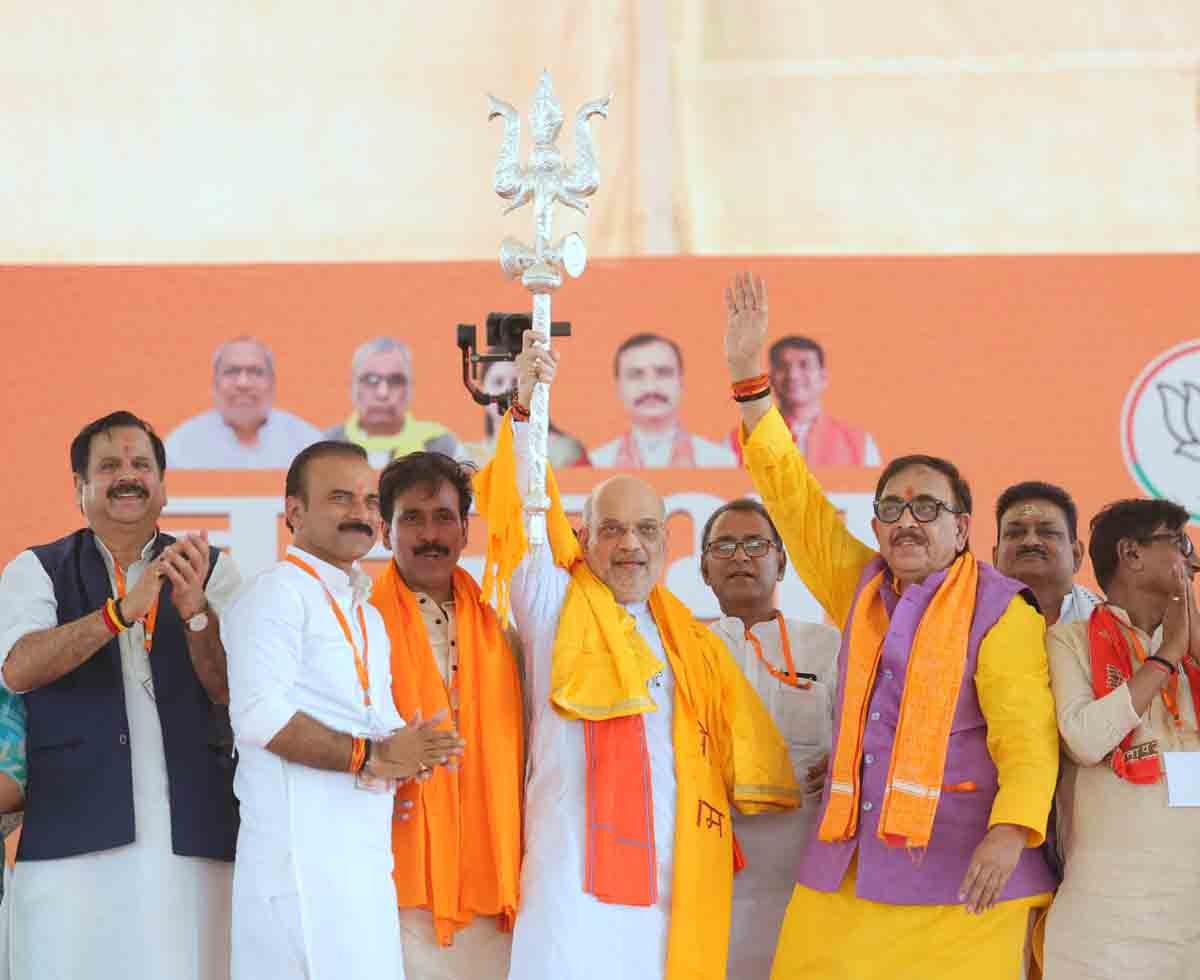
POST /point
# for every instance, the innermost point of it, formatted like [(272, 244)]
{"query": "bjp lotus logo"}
[(1160, 427), (1181, 414)]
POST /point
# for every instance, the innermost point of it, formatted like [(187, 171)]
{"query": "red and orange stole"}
[(727, 749), (1112, 666), (935, 673), (459, 853), (621, 867)]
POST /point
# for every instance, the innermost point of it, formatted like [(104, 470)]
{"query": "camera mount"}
[(505, 332)]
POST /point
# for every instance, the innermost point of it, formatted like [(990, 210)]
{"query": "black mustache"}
[(908, 535), (431, 549), (125, 487), (1022, 552), (356, 526)]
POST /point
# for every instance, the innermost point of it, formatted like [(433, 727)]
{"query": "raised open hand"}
[(746, 327)]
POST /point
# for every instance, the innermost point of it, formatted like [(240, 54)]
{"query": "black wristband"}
[(753, 398), (366, 754), (1164, 661)]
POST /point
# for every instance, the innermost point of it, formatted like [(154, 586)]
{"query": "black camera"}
[(504, 330), (504, 335)]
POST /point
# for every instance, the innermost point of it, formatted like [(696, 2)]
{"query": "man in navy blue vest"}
[(110, 635)]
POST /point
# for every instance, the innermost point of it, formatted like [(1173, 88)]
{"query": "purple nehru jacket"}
[(891, 874)]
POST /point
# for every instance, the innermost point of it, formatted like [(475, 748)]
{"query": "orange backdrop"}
[(1014, 367)]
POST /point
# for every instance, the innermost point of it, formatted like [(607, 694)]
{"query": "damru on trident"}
[(544, 181)]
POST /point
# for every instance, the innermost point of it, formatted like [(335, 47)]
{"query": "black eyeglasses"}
[(925, 509), (1181, 541), (727, 547)]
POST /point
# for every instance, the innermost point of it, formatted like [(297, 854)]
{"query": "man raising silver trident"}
[(643, 730)]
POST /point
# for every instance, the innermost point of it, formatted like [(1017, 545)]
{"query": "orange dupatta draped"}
[(459, 853), (935, 673), (727, 749)]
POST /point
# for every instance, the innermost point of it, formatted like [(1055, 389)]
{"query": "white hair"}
[(378, 345), (245, 339)]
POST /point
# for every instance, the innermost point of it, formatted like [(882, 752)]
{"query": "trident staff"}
[(544, 180)]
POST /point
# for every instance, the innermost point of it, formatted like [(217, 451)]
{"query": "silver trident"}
[(544, 181)]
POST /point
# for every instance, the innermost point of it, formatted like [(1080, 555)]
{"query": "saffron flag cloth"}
[(459, 853), (935, 674), (727, 749)]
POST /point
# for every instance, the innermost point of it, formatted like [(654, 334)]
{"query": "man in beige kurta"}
[(1128, 903)]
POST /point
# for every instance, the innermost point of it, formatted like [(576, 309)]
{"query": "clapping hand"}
[(185, 563), (414, 750)]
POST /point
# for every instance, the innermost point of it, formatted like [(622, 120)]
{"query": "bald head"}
[(624, 536), (618, 493)]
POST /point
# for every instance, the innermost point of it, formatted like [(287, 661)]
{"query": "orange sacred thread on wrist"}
[(519, 414), (358, 753), (751, 386)]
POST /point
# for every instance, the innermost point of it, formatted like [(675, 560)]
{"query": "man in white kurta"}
[(792, 666), (1126, 907), (605, 940), (649, 375), (179, 904), (139, 910), (244, 429), (707, 740), (313, 893), (309, 678)]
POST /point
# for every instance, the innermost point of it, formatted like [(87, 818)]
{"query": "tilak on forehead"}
[(1033, 512)]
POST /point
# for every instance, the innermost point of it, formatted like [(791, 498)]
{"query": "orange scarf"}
[(935, 672), (727, 749), (1112, 666), (459, 853), (621, 866), (600, 675)]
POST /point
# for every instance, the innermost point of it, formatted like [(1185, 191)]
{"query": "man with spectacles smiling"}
[(381, 378), (945, 747), (244, 430), (1127, 712), (792, 665), (644, 734)]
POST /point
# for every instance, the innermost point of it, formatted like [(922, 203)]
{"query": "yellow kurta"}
[(838, 934)]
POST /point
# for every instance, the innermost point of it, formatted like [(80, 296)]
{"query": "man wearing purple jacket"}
[(926, 859)]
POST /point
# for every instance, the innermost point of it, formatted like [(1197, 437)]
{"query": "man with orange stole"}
[(926, 860), (644, 734), (458, 847)]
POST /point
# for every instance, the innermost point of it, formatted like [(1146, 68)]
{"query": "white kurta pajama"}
[(771, 842), (312, 894), (564, 932), (135, 911), (1127, 906)]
